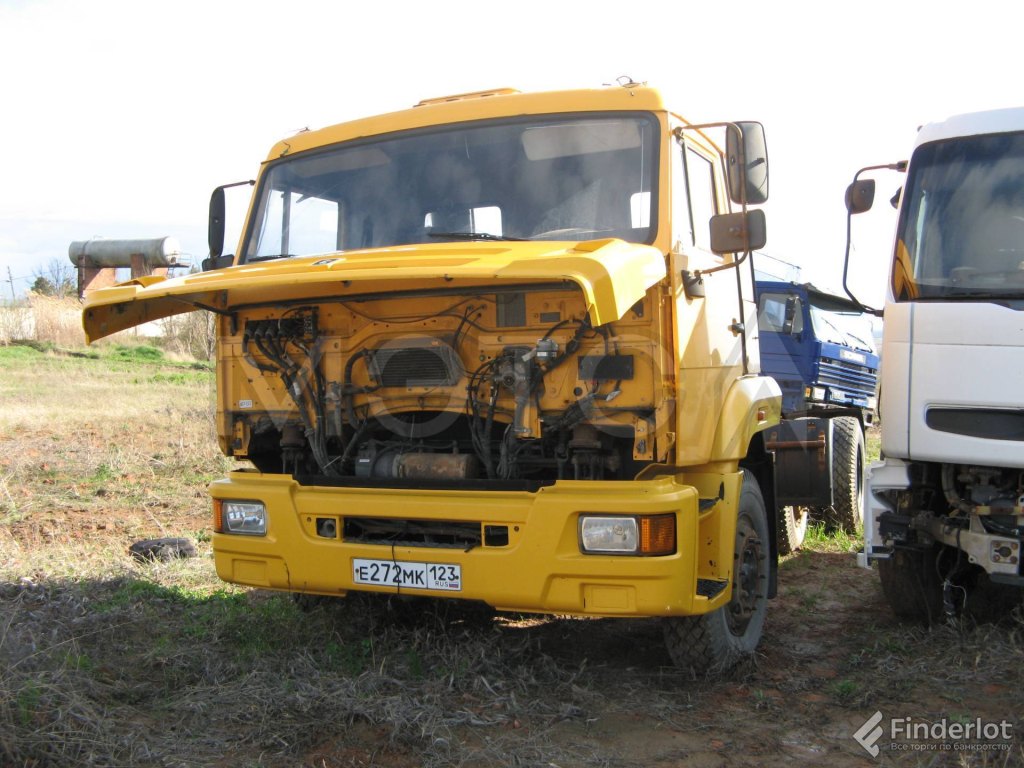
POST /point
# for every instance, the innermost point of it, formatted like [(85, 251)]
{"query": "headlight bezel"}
[(241, 517), (624, 535)]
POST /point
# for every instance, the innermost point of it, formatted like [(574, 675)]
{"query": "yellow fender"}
[(753, 404)]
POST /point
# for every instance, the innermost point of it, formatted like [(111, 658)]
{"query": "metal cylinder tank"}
[(155, 252)]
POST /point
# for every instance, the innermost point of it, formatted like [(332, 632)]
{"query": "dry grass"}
[(108, 662), (16, 322), (56, 322)]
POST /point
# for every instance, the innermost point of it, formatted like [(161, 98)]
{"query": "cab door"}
[(708, 320)]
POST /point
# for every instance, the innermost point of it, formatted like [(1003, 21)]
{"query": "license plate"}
[(407, 575)]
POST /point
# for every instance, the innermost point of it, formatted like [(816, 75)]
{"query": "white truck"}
[(945, 505)]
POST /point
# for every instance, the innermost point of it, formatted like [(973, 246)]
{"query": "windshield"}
[(783, 313), (851, 329), (961, 231), (575, 177)]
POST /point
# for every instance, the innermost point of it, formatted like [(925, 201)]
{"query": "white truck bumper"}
[(885, 475)]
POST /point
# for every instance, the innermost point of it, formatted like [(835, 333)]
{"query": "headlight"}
[(873, 403), (628, 535), (818, 393), (245, 517)]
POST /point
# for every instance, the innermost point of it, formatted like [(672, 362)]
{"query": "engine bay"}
[(513, 387)]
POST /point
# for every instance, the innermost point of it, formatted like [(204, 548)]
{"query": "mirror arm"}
[(215, 228), (741, 150), (901, 167)]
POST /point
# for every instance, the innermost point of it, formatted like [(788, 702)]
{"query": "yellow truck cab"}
[(495, 348)]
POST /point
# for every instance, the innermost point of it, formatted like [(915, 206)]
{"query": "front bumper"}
[(538, 568), (883, 476), (999, 555)]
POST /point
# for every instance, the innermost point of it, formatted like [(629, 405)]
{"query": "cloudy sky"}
[(119, 118)]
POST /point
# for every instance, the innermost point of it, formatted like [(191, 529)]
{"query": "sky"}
[(119, 118)]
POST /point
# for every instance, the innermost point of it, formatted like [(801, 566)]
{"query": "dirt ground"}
[(105, 661), (553, 692)]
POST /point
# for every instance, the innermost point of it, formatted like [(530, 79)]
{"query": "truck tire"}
[(792, 524), (911, 585), (713, 642), (847, 473), (988, 602)]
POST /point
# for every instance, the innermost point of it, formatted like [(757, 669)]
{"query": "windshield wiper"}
[(270, 257), (474, 236)]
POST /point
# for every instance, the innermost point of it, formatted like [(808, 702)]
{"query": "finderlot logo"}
[(867, 735), (945, 734)]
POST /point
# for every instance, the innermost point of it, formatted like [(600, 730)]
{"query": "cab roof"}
[(480, 105), (973, 124)]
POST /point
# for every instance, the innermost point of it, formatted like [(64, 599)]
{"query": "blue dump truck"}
[(819, 348)]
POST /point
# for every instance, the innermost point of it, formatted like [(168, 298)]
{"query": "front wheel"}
[(714, 642), (847, 473), (911, 584), (792, 528)]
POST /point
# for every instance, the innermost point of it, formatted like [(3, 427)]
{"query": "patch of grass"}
[(845, 691), (809, 600), (27, 701), (762, 700), (351, 657), (141, 353), (134, 592), (873, 444), (180, 377), (103, 473), (822, 537), (19, 352)]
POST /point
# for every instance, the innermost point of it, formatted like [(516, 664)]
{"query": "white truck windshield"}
[(961, 231)]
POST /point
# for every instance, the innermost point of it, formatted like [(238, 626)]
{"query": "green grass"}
[(18, 352), (873, 445), (845, 691), (142, 353), (822, 537), (114, 356)]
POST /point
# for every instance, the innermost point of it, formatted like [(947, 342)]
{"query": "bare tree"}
[(56, 278)]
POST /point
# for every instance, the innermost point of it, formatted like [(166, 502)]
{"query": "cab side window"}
[(780, 313), (693, 199), (701, 182)]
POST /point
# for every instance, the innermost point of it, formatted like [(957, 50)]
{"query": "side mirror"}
[(215, 232), (860, 196), (790, 319), (747, 163), (738, 232)]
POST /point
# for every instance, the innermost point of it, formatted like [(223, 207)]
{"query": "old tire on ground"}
[(714, 642), (911, 584), (163, 549), (847, 473), (792, 525)]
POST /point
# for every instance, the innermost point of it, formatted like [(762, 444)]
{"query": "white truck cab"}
[(945, 505)]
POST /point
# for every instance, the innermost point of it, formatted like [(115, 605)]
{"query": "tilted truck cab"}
[(495, 347)]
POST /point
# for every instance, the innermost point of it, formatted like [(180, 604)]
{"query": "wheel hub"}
[(747, 577)]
